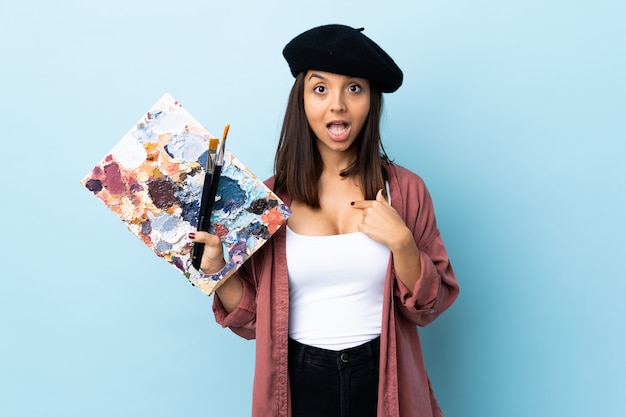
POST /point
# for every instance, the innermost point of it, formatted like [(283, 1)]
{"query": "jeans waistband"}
[(367, 352)]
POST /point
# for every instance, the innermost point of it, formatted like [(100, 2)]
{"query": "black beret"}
[(343, 50)]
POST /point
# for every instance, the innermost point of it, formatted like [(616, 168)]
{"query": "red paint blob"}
[(113, 180)]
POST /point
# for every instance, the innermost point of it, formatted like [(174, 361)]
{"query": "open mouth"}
[(338, 130)]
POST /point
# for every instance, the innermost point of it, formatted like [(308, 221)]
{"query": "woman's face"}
[(336, 107)]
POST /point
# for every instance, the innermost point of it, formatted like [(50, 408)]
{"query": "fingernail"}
[(352, 203), (192, 235)]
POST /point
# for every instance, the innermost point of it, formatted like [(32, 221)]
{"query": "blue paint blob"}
[(239, 247), (186, 146), (163, 246), (232, 197), (188, 196), (190, 211), (165, 222), (146, 227), (167, 151), (203, 158), (169, 224), (259, 230), (156, 115)]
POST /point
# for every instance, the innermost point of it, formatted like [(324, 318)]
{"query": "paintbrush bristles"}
[(210, 161), (213, 142), (213, 145)]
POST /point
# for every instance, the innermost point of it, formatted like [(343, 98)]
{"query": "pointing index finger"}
[(362, 204)]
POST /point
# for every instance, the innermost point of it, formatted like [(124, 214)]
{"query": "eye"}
[(355, 88), (319, 89)]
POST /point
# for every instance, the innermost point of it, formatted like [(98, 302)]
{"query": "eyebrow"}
[(316, 75), (321, 77)]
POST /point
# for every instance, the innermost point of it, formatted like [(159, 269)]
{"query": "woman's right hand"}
[(212, 262), (213, 255)]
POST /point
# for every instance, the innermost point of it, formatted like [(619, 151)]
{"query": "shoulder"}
[(410, 197), (409, 194), (404, 177)]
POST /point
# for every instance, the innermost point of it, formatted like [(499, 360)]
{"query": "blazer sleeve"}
[(242, 320), (436, 287)]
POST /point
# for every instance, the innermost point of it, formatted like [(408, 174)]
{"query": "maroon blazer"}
[(263, 313)]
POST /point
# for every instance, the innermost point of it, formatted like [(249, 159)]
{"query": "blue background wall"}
[(513, 112)]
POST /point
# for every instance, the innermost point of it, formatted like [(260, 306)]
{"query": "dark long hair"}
[(298, 164)]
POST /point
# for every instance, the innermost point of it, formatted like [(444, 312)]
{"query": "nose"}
[(338, 103)]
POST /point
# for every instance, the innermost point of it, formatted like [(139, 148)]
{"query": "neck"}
[(334, 163)]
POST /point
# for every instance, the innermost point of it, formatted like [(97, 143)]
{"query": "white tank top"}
[(335, 288)]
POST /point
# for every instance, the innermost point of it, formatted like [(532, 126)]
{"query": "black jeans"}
[(328, 383)]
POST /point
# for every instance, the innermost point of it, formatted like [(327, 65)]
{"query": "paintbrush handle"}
[(207, 201), (206, 208)]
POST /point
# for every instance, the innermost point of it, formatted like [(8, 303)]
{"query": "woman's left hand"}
[(382, 223)]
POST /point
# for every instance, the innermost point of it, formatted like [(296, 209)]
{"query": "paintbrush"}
[(210, 162), (209, 190)]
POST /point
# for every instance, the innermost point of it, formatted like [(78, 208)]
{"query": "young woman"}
[(333, 299)]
